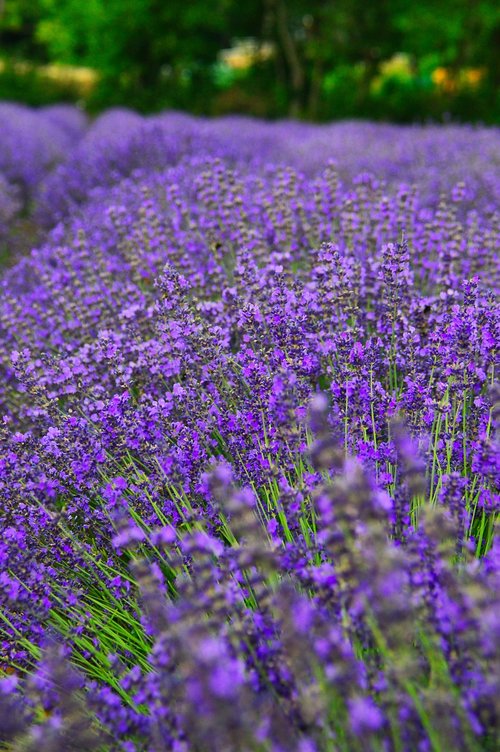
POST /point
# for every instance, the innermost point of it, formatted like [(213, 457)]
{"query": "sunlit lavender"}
[(249, 465)]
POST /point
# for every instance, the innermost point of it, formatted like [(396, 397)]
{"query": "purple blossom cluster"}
[(249, 466)]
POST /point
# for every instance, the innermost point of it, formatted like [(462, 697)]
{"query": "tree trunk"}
[(291, 55), (315, 90)]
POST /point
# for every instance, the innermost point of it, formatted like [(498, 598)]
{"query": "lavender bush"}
[(250, 462), (32, 142), (35, 141)]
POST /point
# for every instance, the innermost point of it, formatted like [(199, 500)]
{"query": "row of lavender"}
[(250, 462), (32, 143), (52, 158)]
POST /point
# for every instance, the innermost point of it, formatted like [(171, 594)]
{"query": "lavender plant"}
[(250, 463), (32, 143)]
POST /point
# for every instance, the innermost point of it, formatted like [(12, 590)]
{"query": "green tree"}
[(157, 53), (147, 51), (19, 20)]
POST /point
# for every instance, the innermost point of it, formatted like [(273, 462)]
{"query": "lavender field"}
[(249, 464)]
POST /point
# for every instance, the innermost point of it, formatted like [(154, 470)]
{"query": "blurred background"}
[(392, 60)]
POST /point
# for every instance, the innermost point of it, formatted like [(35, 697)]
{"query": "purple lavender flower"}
[(249, 436)]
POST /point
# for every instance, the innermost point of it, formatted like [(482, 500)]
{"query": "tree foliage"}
[(153, 53)]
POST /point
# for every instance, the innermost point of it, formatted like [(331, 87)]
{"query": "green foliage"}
[(32, 88), (18, 23), (153, 54)]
